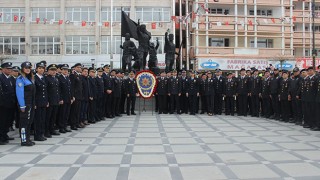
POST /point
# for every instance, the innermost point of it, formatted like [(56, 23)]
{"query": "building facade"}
[(70, 31), (231, 34)]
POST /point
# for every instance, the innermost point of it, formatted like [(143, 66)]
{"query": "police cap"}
[(7, 65), (52, 67), (40, 64), (64, 66), (15, 68), (26, 64), (296, 69)]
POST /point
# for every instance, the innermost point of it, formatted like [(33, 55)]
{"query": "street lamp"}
[(92, 62), (314, 51)]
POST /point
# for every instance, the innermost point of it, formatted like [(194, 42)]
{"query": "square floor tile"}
[(255, 171), (33, 149), (104, 159), (114, 141), (17, 158), (148, 141), (71, 149), (80, 141), (148, 149), (59, 159), (299, 169), (86, 173), (143, 135), (110, 149), (277, 156), (224, 147), (216, 140), (149, 173), (149, 159), (193, 158), (236, 157), (261, 147), (296, 146), (43, 173), (6, 171), (182, 141), (202, 173), (312, 155), (186, 148)]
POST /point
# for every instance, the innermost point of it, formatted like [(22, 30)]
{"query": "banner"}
[(303, 63), (147, 83), (237, 64)]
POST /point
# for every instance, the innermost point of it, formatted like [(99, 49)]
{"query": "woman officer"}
[(25, 90)]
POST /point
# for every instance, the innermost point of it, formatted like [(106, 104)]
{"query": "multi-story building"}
[(231, 34), (70, 31)]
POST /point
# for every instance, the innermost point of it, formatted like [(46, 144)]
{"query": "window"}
[(12, 45), (261, 12), (81, 14), (316, 28), (106, 45), (262, 43), (8, 14), (306, 28), (45, 13), (106, 13), (219, 42), (45, 45), (80, 45), (307, 52), (218, 11), (153, 14)]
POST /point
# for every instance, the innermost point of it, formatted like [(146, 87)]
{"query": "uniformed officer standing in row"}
[(100, 95), (131, 91), (243, 93), (296, 102), (285, 96), (192, 92), (230, 89), (76, 93), (218, 95), (183, 98), (92, 112), (255, 90), (8, 102), (162, 92), (209, 93), (202, 92), (174, 92), (266, 95)]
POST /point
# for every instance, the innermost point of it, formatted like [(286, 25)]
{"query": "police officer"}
[(310, 100), (123, 93), (174, 92), (209, 93), (25, 91), (192, 92), (76, 84), (243, 85), (66, 97), (183, 98), (42, 103), (84, 99), (255, 90), (218, 92), (54, 101), (108, 89), (116, 96), (274, 89), (317, 123), (285, 96), (230, 89), (266, 95), (92, 112), (100, 94), (131, 93), (202, 93), (8, 101), (296, 102), (162, 91), (15, 74)]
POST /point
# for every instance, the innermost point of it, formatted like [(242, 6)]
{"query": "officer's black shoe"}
[(306, 126), (118, 115), (91, 122), (40, 139), (160, 112), (33, 143), (55, 133), (109, 117), (2, 143), (27, 143), (67, 130), (133, 113), (74, 128), (47, 135), (62, 131), (9, 138), (202, 112), (315, 129)]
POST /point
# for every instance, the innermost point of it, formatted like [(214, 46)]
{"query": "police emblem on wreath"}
[(146, 82)]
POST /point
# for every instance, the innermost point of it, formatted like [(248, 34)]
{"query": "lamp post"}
[(92, 62), (314, 51)]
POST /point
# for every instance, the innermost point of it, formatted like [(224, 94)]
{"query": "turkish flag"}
[(60, 22), (154, 25), (84, 23), (173, 18), (37, 20), (106, 24), (273, 20), (177, 25), (227, 23), (250, 22), (294, 18), (15, 18)]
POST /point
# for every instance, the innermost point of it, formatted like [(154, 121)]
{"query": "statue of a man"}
[(170, 50), (129, 49), (144, 37), (153, 60)]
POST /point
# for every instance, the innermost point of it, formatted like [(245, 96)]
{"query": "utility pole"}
[(314, 51)]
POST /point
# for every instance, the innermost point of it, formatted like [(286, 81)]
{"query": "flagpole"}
[(111, 31), (180, 31), (121, 50), (187, 36)]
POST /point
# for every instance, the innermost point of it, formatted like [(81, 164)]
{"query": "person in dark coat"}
[(218, 95), (183, 98), (202, 92), (162, 92), (285, 96), (8, 102), (296, 102), (76, 92), (193, 92), (266, 95), (116, 92), (92, 113), (174, 92), (25, 92), (108, 90), (209, 93), (66, 97), (243, 85), (230, 90), (310, 89), (54, 100), (100, 95), (255, 90), (123, 94), (131, 89), (274, 89), (85, 98), (41, 103)]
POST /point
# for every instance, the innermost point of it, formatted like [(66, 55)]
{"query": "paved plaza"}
[(163, 147)]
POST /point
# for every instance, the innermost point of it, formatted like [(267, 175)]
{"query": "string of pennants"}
[(38, 20)]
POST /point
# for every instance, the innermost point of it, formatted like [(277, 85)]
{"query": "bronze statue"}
[(153, 59), (129, 49), (170, 50), (144, 37)]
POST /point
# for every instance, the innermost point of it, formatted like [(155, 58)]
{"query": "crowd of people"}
[(54, 99), (49, 100)]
